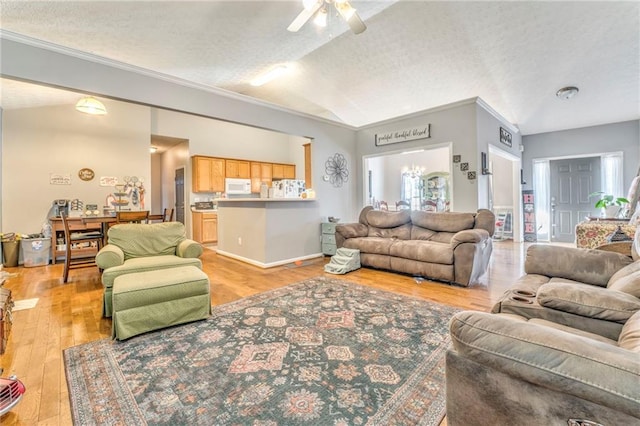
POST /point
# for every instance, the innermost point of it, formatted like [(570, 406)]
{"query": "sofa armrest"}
[(588, 301), (189, 248), (109, 256), (561, 361), (469, 236), (350, 230), (587, 266)]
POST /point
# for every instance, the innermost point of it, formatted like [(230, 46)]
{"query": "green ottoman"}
[(150, 300)]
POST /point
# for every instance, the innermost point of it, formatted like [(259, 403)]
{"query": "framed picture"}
[(464, 167), (457, 158), (505, 137), (471, 175)]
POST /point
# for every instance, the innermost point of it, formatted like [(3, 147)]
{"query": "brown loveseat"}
[(451, 247)]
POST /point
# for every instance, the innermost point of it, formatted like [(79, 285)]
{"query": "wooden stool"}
[(151, 300)]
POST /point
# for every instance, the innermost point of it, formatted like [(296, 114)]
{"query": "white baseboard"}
[(270, 264)]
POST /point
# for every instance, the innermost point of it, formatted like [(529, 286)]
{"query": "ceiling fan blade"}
[(356, 24), (303, 17)]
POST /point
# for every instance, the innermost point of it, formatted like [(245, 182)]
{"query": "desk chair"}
[(167, 215), (91, 239), (132, 216)]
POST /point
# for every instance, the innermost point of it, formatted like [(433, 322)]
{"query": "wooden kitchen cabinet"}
[(284, 171), (205, 227), (260, 173), (208, 174), (237, 169)]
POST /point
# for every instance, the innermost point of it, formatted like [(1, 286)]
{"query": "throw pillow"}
[(630, 334)]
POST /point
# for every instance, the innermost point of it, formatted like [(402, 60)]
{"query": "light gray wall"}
[(156, 183), (40, 141), (624, 136), (44, 66)]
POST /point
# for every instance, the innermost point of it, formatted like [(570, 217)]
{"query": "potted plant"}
[(608, 204)]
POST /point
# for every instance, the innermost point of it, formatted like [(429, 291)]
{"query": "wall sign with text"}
[(404, 135), (530, 233)]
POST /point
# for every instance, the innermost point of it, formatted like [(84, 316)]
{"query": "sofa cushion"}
[(373, 245), (143, 264), (423, 251), (420, 233), (384, 219), (443, 221), (143, 240), (630, 334), (588, 301), (627, 279), (402, 232)]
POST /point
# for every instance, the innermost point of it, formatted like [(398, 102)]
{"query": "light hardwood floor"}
[(70, 314)]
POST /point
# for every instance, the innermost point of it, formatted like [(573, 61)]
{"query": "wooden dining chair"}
[(167, 215), (403, 205), (84, 256), (141, 216), (384, 205)]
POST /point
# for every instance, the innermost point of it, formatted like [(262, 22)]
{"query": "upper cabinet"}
[(261, 173), (284, 171), (237, 169), (208, 174)]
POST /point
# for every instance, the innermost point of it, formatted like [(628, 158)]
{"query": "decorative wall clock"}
[(86, 174), (336, 168)]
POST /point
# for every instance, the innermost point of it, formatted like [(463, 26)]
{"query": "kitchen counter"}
[(236, 200), (268, 232)]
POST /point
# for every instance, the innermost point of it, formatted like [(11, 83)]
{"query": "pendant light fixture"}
[(90, 105)]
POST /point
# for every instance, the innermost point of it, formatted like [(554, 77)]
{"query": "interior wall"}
[(42, 65), (172, 159), (455, 124), (502, 182), (40, 141), (585, 142), (156, 183)]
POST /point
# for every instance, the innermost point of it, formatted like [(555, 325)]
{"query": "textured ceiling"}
[(415, 55)]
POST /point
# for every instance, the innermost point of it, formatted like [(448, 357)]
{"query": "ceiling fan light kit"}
[(318, 8), (90, 105)]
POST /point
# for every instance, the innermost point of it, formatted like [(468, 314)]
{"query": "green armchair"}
[(144, 247)]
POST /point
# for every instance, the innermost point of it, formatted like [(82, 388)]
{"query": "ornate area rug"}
[(320, 352)]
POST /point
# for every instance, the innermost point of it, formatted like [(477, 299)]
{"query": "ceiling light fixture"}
[(321, 18), (272, 74), (153, 149), (567, 92), (90, 105)]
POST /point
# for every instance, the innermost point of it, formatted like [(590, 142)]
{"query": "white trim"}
[(497, 115), (270, 264)]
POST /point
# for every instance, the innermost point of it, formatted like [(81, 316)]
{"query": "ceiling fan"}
[(319, 9)]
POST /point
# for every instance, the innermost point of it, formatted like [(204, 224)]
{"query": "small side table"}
[(329, 238)]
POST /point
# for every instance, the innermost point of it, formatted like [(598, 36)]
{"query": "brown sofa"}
[(445, 246)]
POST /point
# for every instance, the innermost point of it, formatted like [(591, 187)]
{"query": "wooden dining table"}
[(85, 223)]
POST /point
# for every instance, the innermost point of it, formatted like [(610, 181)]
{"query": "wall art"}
[(464, 167), (336, 169), (404, 135), (457, 158), (505, 137), (108, 181), (86, 174), (59, 179), (471, 175)]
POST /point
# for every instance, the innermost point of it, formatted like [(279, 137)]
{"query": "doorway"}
[(505, 194), (179, 191)]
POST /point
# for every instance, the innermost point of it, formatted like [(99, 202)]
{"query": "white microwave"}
[(237, 186)]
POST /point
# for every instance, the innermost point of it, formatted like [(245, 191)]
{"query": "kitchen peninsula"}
[(268, 232)]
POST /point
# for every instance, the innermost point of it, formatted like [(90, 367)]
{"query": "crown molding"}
[(513, 127), (30, 41)]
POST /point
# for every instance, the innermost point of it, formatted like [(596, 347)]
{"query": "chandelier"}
[(414, 171)]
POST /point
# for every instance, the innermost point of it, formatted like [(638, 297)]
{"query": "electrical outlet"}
[(239, 241)]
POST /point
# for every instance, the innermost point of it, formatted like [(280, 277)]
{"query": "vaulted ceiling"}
[(414, 55)]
